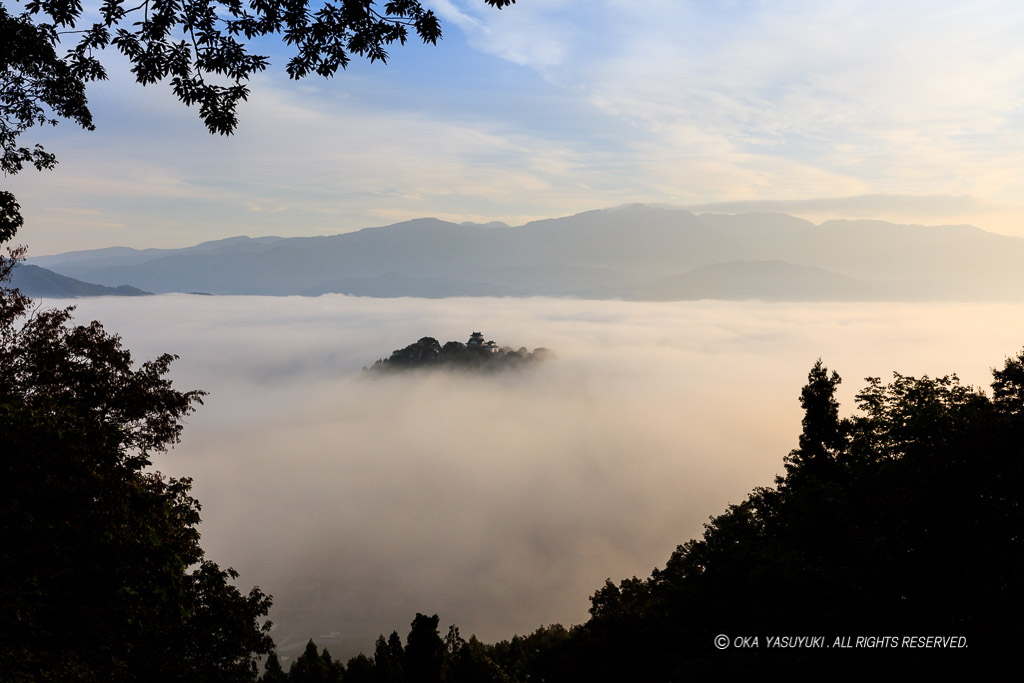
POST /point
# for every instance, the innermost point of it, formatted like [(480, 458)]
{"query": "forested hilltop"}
[(899, 526), (476, 355)]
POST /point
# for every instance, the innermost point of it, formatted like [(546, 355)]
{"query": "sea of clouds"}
[(499, 502)]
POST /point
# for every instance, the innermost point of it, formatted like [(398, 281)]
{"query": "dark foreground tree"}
[(902, 520), (313, 666), (424, 651), (102, 577)]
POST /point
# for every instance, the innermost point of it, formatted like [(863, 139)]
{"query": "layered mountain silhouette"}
[(630, 252), (39, 282)]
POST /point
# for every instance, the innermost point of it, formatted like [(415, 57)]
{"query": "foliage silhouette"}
[(427, 352), (902, 520), (424, 651), (201, 47), (102, 577), (313, 666)]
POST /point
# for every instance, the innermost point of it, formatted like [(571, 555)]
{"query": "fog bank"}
[(499, 502)]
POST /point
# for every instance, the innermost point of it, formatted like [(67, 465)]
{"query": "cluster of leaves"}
[(36, 87), (202, 47), (425, 658), (190, 41), (453, 355), (102, 577)]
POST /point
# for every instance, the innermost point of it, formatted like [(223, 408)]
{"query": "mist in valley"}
[(499, 502)]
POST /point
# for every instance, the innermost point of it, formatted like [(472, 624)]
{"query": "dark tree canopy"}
[(902, 519), (200, 45), (427, 353), (313, 666), (102, 577), (821, 428), (424, 651), (428, 657)]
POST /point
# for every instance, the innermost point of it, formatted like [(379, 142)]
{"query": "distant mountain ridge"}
[(36, 282), (630, 252)]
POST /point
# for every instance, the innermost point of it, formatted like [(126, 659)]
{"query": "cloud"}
[(539, 35), (333, 171), (564, 106), (868, 97), (500, 503), (996, 216), (856, 206)]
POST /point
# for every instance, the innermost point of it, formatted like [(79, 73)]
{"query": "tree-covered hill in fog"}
[(476, 355), (630, 252)]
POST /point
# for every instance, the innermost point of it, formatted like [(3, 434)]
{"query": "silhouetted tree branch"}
[(201, 47)]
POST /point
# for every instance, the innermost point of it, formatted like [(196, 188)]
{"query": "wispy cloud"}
[(541, 35), (1000, 216), (866, 96), (323, 170), (547, 109)]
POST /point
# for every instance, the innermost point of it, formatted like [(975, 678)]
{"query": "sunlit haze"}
[(500, 503)]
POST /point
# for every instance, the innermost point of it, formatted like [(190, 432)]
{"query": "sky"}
[(500, 503), (908, 111)]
